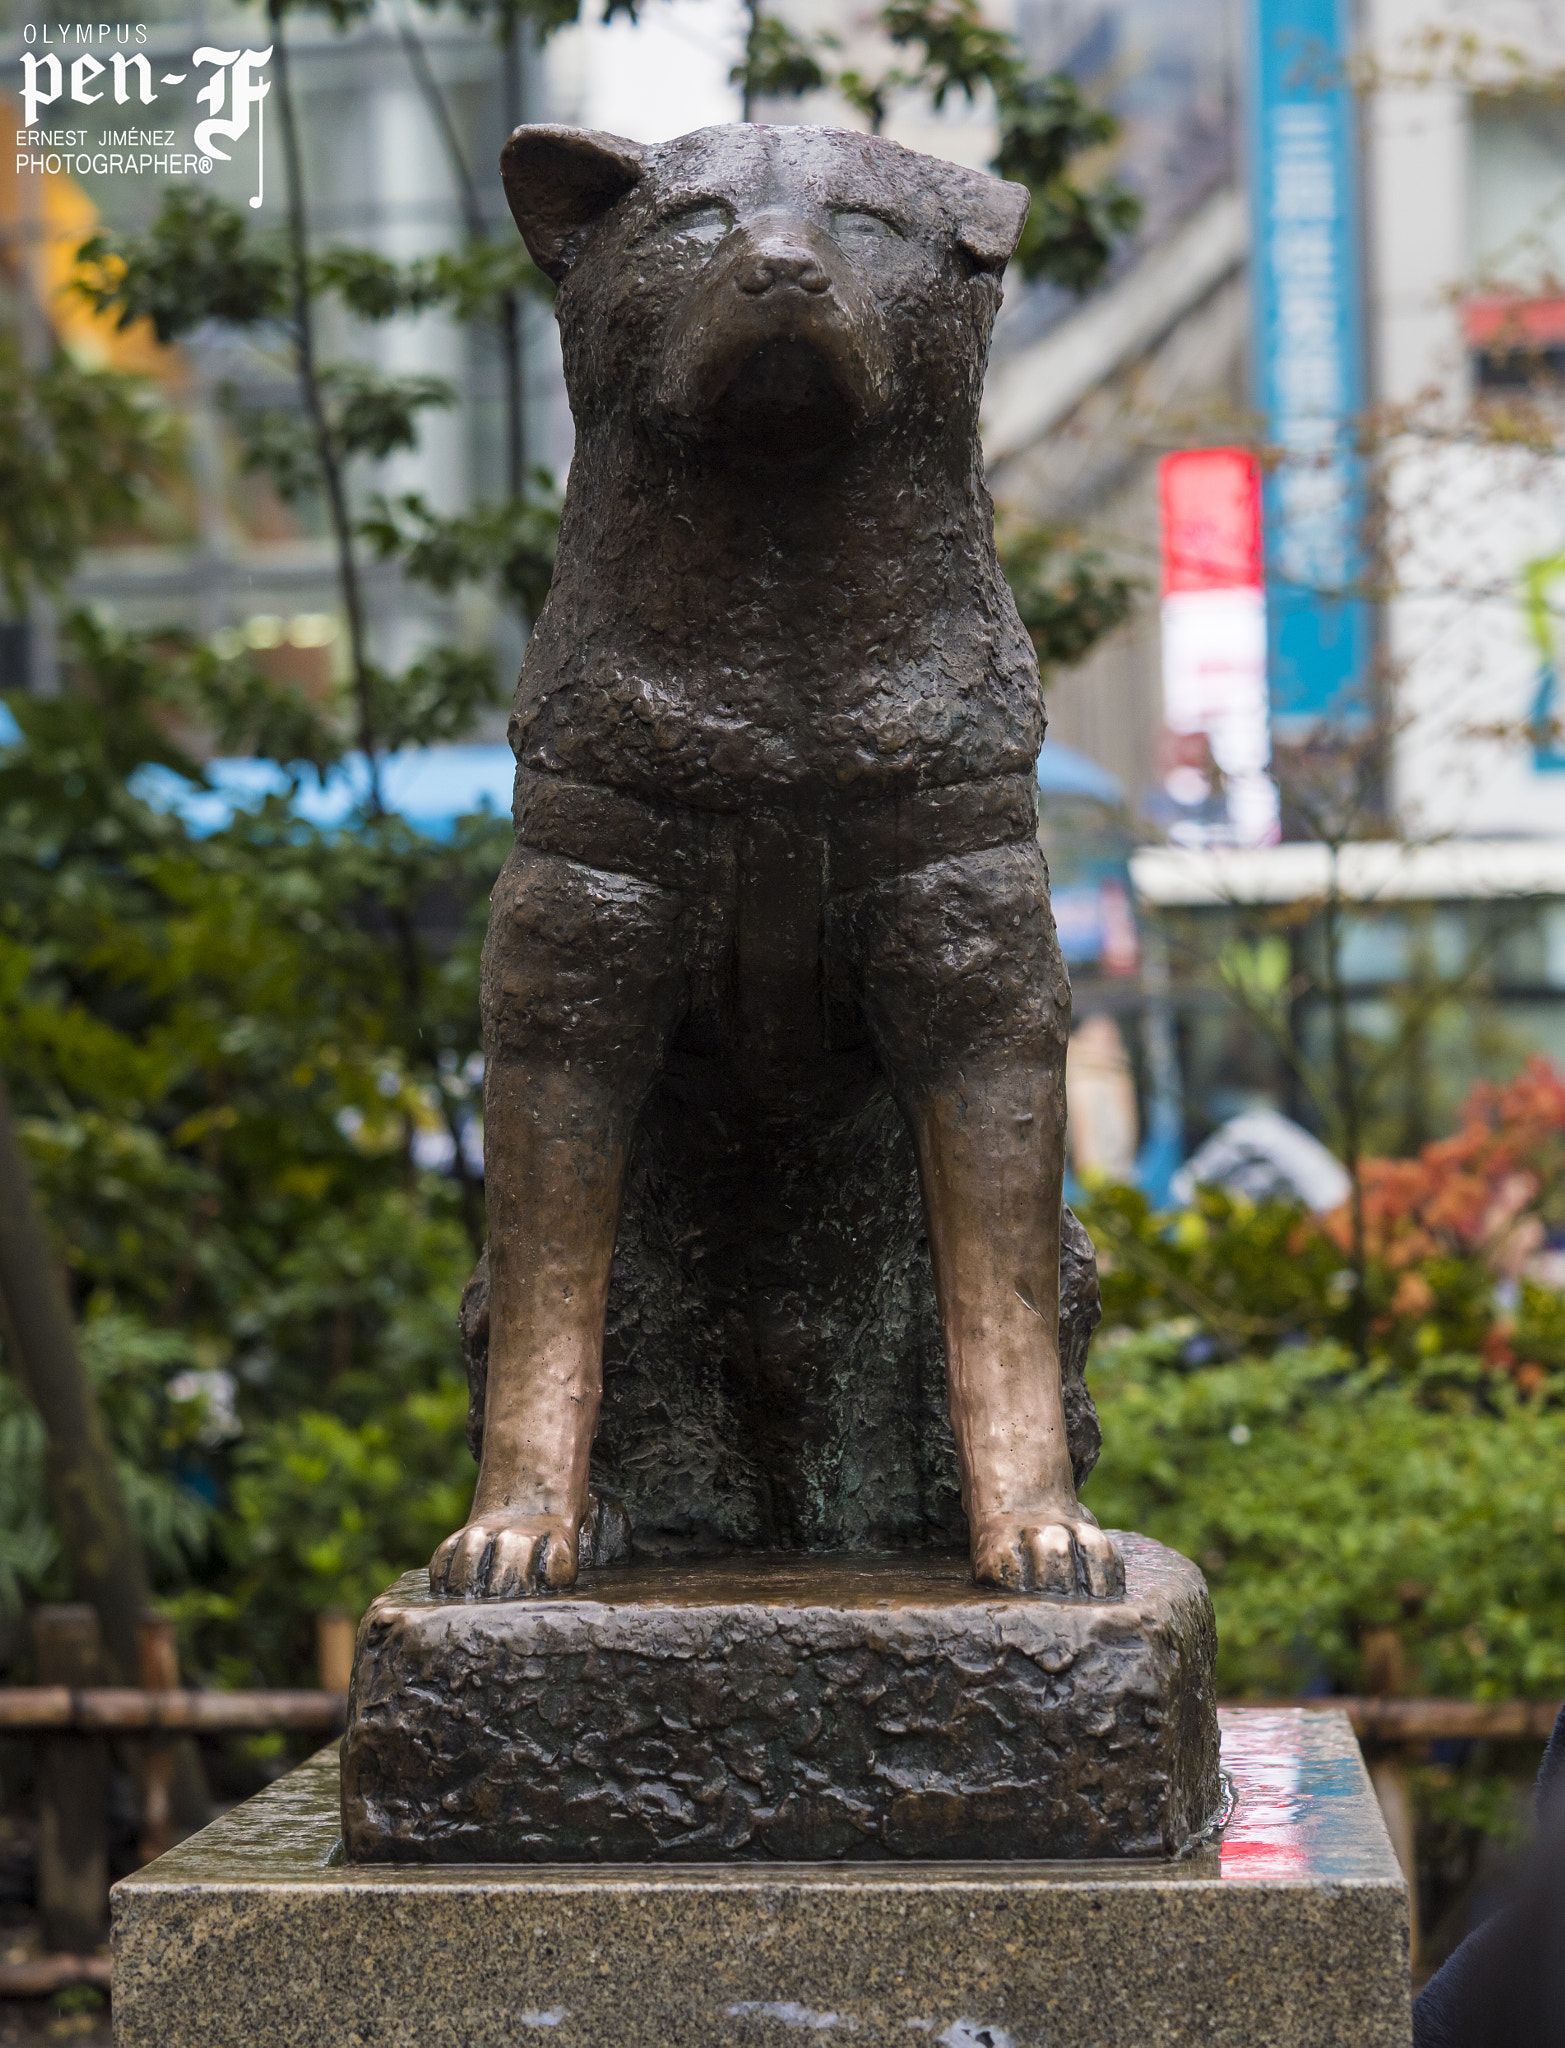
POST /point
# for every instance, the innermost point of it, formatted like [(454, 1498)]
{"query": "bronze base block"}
[(785, 1707)]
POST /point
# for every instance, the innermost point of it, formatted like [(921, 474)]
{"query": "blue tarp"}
[(431, 787), (1064, 772)]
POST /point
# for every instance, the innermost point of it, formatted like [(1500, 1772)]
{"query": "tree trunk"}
[(73, 1791), (100, 1541), (102, 1548)]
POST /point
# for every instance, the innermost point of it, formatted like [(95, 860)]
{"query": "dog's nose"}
[(780, 261)]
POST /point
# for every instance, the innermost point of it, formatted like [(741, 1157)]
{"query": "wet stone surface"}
[(777, 1706), (1288, 1930)]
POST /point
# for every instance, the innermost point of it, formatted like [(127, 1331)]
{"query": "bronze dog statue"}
[(776, 902)]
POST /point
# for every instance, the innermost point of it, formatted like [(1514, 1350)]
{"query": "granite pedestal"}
[(1287, 1930), (803, 1708)]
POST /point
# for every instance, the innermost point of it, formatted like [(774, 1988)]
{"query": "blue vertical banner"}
[(1309, 361)]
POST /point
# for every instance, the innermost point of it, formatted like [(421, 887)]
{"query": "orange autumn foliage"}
[(1491, 1189), (1490, 1197)]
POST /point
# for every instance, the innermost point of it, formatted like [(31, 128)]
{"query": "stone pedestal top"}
[(788, 1706), (1287, 1930)]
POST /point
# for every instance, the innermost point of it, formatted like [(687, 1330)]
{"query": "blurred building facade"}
[(1465, 211), (1439, 943), (230, 559), (1446, 964)]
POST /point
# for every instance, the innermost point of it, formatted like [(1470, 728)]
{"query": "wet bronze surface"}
[(775, 1018), (777, 1707), (880, 1581)]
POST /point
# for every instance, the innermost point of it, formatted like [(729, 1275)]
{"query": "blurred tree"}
[(251, 1109), (236, 1056), (1068, 601), (777, 62), (102, 1542), (1292, 974), (78, 451)]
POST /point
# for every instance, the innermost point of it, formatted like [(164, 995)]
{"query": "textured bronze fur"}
[(771, 989)]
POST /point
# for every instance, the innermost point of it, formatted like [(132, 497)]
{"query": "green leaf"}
[(374, 415), (198, 261), (777, 62), (1046, 121), (472, 282), (961, 51), (1070, 235), (514, 542), (79, 452), (1342, 1503), (438, 697), (1067, 602), (367, 415)]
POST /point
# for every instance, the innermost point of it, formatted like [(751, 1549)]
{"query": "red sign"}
[(1211, 505), (1511, 321)]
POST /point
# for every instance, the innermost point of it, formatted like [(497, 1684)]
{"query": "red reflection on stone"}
[(1264, 1837)]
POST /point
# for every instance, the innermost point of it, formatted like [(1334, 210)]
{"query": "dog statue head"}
[(762, 294)]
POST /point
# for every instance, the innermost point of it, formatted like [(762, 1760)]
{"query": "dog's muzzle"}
[(779, 348)]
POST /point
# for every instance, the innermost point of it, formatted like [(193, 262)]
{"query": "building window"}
[(1515, 320)]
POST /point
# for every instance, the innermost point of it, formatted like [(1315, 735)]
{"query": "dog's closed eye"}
[(705, 223), (850, 223)]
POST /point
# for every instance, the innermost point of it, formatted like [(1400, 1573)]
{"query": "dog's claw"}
[(506, 1557), (1061, 1553)]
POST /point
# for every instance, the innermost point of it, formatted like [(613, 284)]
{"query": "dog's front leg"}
[(991, 1147), (555, 1171), (967, 997), (583, 981)]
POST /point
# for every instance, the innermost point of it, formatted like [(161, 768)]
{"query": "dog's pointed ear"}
[(990, 215), (559, 180)]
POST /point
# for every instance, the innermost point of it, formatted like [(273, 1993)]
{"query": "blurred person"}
[(1505, 1986), (1100, 1096)]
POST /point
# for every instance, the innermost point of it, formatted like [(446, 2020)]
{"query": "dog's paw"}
[(1061, 1552), (506, 1557)]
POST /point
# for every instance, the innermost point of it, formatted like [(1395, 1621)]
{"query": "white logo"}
[(248, 92), (83, 71), (228, 96)]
